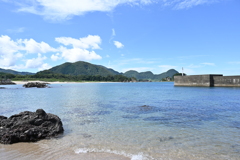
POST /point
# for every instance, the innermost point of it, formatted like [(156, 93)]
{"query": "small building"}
[(208, 80)]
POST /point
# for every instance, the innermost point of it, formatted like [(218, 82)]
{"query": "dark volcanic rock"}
[(29, 127), (35, 84), (6, 82)]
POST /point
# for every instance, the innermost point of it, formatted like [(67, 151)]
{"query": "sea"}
[(129, 121)]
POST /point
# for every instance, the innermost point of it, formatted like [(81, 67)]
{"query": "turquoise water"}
[(131, 120)]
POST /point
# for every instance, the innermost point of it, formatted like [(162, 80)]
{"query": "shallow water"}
[(130, 121)]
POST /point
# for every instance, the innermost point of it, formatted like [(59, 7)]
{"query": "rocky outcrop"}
[(36, 84), (6, 82), (29, 127)]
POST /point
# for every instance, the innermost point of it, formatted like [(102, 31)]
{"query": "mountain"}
[(83, 68), (149, 75), (15, 72)]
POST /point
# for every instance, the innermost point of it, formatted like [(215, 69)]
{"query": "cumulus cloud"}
[(76, 54), (56, 57), (82, 48), (44, 66), (14, 53), (118, 44), (35, 62), (84, 43), (31, 46), (65, 9), (9, 51)]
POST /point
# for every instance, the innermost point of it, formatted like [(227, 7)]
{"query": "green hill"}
[(149, 75), (15, 72), (82, 68), (88, 69)]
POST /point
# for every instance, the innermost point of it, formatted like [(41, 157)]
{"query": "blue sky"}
[(202, 36)]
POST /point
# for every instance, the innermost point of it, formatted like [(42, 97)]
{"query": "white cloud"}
[(65, 9), (113, 32), (9, 51), (81, 48), (208, 64), (44, 66), (118, 44), (76, 54), (84, 43), (184, 4), (13, 53), (31, 46), (56, 57), (113, 35), (35, 62)]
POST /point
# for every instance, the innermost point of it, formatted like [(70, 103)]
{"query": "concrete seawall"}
[(208, 80), (227, 81)]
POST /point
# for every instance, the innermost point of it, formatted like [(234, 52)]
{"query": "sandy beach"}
[(56, 82)]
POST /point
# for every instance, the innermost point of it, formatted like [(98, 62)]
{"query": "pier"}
[(208, 80)]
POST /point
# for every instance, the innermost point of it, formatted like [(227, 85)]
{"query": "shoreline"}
[(55, 82)]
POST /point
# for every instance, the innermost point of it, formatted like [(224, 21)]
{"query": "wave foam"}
[(139, 156)]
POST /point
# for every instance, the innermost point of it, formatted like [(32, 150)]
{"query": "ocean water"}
[(137, 121)]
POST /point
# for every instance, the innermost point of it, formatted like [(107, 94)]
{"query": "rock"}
[(35, 84), (6, 82), (29, 127)]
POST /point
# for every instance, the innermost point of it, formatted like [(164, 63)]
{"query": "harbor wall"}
[(227, 81), (209, 80)]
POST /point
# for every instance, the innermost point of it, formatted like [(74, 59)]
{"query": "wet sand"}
[(23, 151)]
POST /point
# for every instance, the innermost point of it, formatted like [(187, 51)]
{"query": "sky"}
[(198, 36)]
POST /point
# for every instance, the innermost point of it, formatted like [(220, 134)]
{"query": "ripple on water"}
[(235, 124), (89, 121), (130, 116), (145, 109)]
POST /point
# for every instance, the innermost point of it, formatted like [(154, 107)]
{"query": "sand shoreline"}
[(56, 82)]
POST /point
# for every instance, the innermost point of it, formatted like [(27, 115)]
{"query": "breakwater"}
[(208, 80)]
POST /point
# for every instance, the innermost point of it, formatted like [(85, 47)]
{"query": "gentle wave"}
[(139, 156)]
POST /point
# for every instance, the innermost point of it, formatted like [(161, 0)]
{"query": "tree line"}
[(50, 76)]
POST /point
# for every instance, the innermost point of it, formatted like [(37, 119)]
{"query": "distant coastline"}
[(57, 82)]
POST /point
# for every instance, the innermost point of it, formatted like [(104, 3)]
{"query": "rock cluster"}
[(29, 127), (6, 82), (35, 84)]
